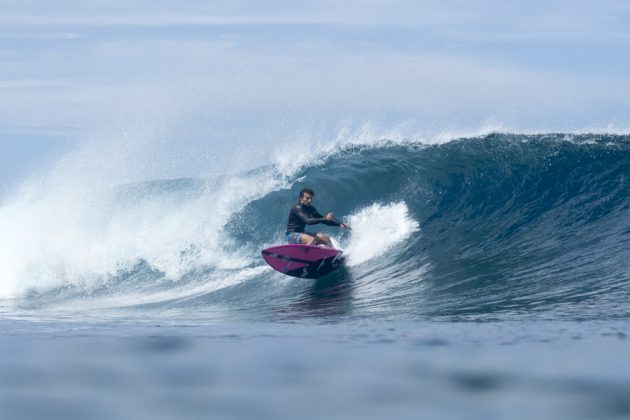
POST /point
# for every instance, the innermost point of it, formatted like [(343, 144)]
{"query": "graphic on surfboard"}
[(304, 261)]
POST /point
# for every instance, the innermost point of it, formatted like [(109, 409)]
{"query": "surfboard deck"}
[(304, 261)]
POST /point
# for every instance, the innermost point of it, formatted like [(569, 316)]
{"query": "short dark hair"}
[(306, 191)]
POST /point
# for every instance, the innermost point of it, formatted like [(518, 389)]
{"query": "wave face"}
[(497, 227)]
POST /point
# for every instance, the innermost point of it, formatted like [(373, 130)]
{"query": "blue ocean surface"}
[(486, 277)]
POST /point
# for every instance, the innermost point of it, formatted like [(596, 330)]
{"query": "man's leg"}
[(324, 239), (308, 239)]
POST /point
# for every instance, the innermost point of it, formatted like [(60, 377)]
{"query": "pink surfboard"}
[(305, 261)]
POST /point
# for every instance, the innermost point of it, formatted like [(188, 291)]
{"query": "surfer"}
[(303, 214)]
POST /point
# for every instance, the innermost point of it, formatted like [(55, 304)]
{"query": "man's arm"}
[(305, 218), (328, 220)]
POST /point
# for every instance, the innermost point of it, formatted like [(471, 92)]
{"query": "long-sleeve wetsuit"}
[(300, 216)]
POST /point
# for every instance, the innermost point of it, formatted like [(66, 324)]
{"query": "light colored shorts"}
[(294, 237)]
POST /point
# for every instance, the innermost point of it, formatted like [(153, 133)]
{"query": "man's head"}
[(306, 196)]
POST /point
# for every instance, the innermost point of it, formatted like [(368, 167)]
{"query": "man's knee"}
[(307, 239)]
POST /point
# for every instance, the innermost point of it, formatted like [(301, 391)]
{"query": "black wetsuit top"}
[(300, 216)]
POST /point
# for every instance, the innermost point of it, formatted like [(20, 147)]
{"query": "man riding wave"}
[(303, 214)]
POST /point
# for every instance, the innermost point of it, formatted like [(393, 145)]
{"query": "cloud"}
[(437, 61), (164, 20), (487, 21)]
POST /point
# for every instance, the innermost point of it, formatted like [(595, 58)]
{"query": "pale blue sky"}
[(213, 79)]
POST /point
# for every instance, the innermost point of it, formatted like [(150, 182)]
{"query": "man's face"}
[(306, 199)]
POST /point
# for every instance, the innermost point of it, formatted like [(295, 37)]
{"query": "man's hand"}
[(329, 216)]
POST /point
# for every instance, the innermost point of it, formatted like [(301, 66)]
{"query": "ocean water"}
[(486, 277)]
